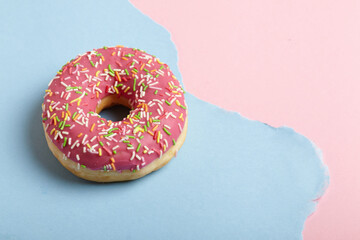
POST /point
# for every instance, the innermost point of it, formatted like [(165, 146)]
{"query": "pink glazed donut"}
[(98, 149)]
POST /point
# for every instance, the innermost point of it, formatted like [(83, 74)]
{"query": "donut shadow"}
[(47, 161)]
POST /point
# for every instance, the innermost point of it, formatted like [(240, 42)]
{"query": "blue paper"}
[(234, 178)]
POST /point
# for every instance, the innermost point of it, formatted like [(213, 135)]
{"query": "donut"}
[(101, 150)]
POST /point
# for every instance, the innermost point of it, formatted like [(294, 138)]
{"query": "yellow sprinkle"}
[(170, 85), (164, 147), (127, 89), (66, 116), (131, 121), (88, 145), (102, 57), (159, 61), (155, 128), (158, 138), (52, 131), (53, 115), (173, 77), (78, 103), (98, 83), (74, 100), (97, 73), (181, 117), (50, 108), (83, 69), (100, 152), (113, 54), (177, 102), (47, 90), (149, 61), (92, 127), (116, 90)]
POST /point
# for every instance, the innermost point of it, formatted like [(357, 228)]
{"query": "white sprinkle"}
[(77, 157), (132, 156)]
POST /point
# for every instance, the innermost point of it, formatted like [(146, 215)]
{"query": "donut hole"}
[(113, 108)]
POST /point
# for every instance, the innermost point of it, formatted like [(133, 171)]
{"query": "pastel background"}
[(293, 63)]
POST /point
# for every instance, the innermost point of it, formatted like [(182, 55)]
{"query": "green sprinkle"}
[(174, 142), (65, 140), (111, 74), (92, 64), (167, 102), (135, 70), (78, 92), (102, 121), (104, 168), (57, 119), (113, 129), (83, 166), (86, 93), (141, 137), (146, 87), (126, 141), (110, 69), (107, 135), (61, 125), (66, 106), (145, 129), (73, 116), (182, 106), (143, 84), (114, 152), (129, 145), (101, 144), (134, 86), (67, 125), (156, 120), (105, 47), (91, 112), (148, 124), (119, 85), (76, 64), (156, 91), (167, 132), (134, 170), (137, 117), (127, 72), (162, 66), (157, 75), (138, 147), (146, 70), (150, 113), (99, 54), (130, 136), (44, 119)]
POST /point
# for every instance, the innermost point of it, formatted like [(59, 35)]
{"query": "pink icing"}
[(151, 128)]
